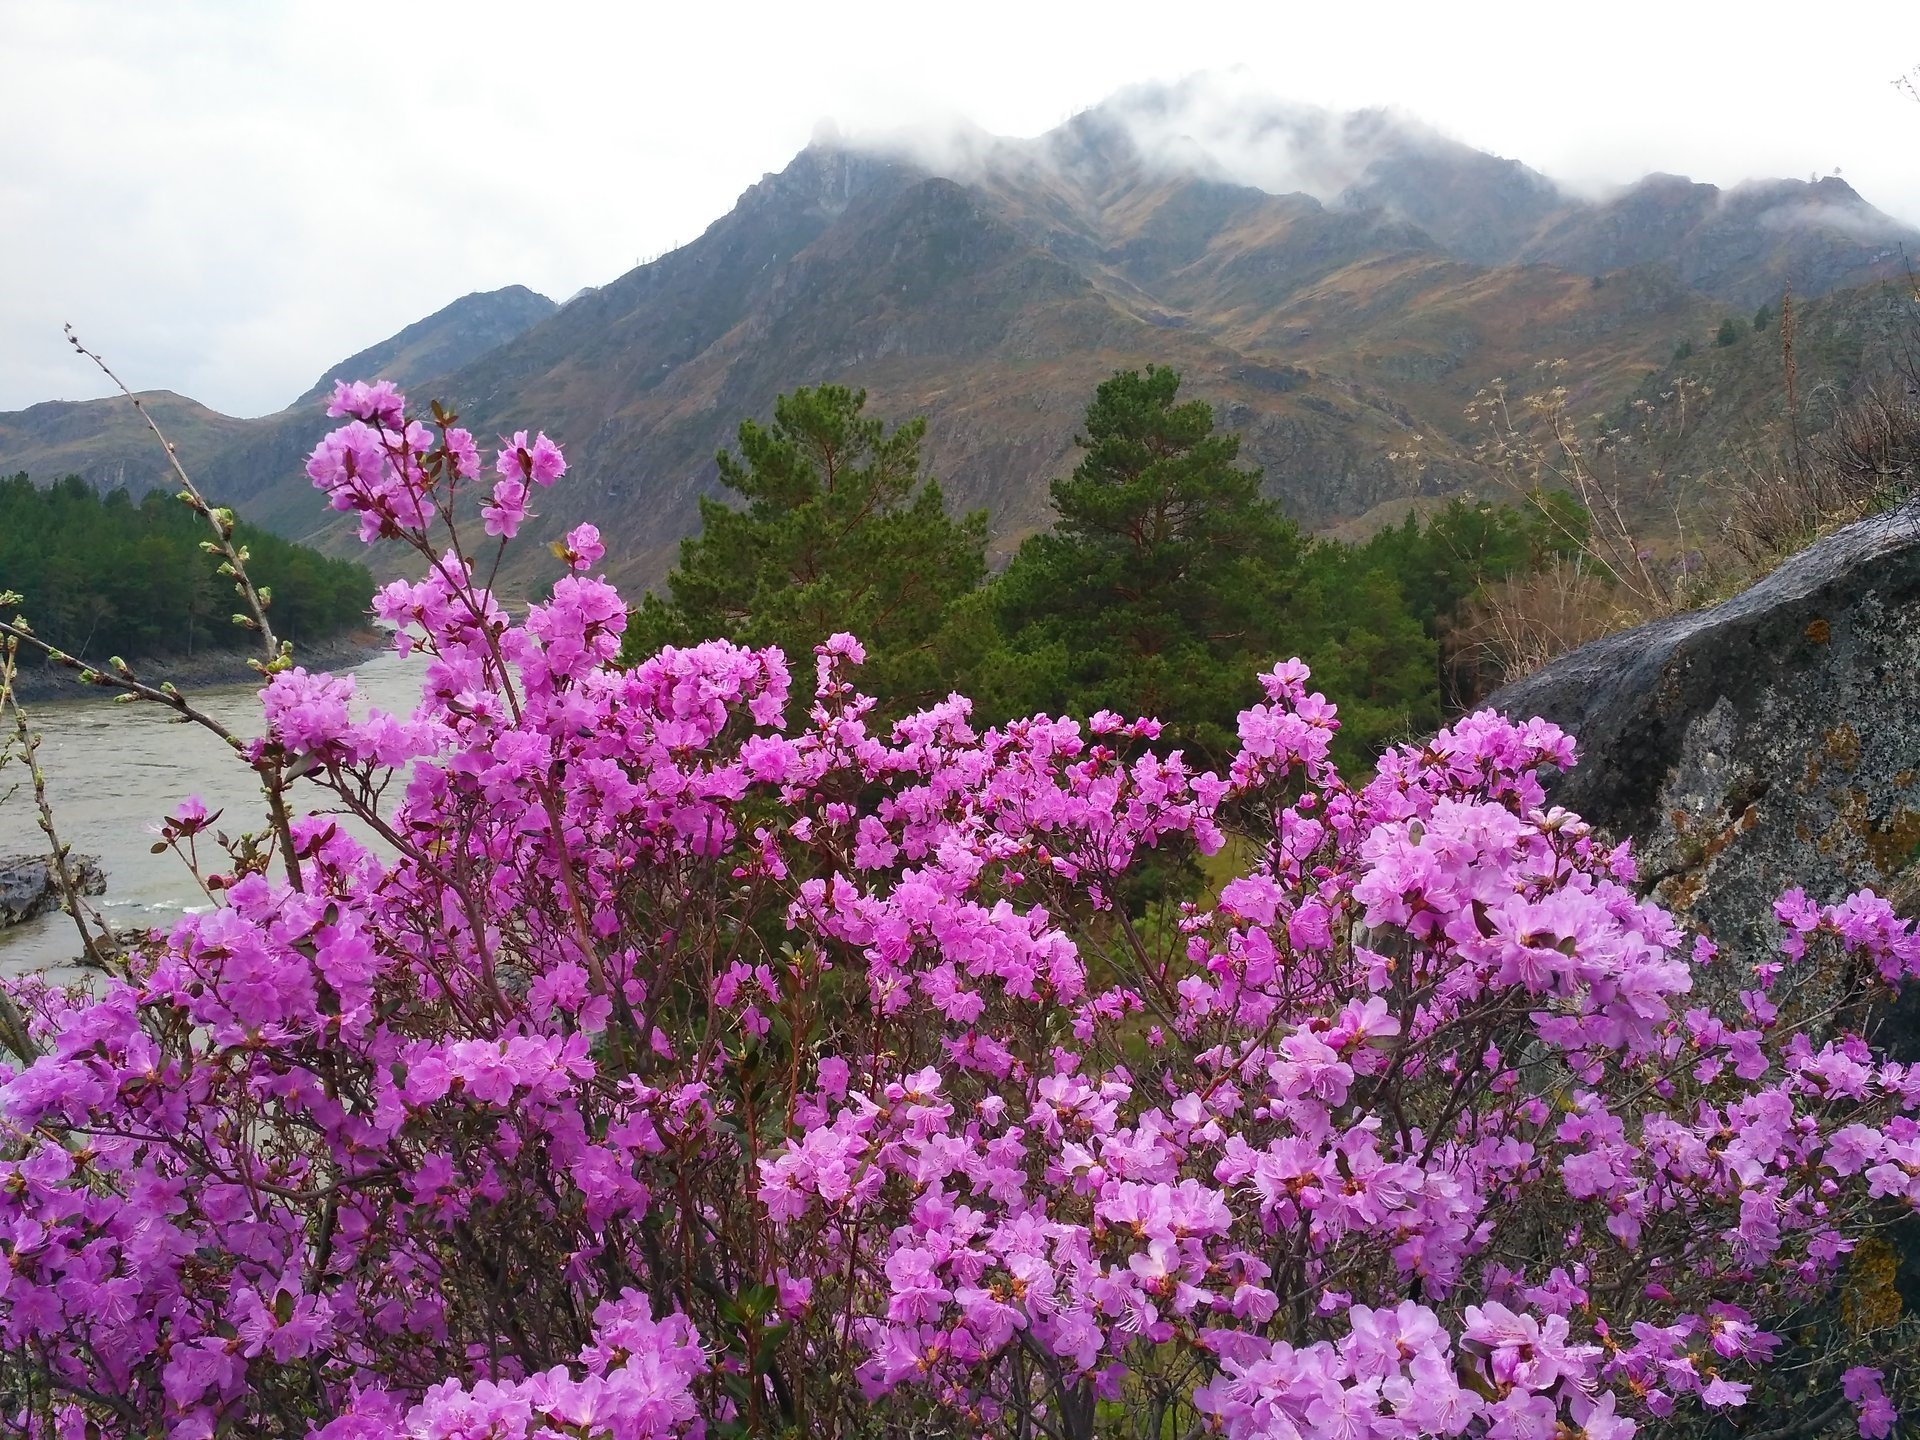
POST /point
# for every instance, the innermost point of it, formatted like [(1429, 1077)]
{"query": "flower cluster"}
[(653, 1052)]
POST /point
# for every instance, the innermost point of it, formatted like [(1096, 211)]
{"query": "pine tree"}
[(1158, 591), (840, 531), (105, 574)]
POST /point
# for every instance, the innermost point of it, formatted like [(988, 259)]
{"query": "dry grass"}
[(1866, 462), (1635, 557), (1659, 542), (1621, 474), (1866, 459), (1520, 624)]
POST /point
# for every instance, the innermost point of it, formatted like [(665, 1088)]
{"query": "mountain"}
[(445, 340), (992, 308), (1478, 207), (1339, 314), (1743, 245), (108, 443)]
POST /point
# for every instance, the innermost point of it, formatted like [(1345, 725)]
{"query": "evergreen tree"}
[(840, 531), (1442, 567), (106, 575), (1353, 623), (1158, 590), (1729, 332), (1169, 582)]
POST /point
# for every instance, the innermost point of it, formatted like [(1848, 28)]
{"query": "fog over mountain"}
[(1490, 209), (1219, 125), (1338, 284), (225, 199)]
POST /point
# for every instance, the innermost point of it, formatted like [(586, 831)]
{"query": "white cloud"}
[(228, 197), (1865, 228)]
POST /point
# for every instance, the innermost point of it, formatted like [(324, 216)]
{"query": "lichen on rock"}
[(1768, 742)]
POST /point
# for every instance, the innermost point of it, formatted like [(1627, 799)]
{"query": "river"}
[(113, 771)]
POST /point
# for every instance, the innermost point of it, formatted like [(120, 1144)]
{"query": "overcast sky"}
[(227, 196)]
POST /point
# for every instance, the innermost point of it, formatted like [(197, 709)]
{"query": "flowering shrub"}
[(680, 1056)]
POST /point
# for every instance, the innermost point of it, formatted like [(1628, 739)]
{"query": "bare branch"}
[(220, 521)]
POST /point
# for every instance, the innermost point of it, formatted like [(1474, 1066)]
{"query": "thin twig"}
[(274, 778), (29, 745), (220, 521)]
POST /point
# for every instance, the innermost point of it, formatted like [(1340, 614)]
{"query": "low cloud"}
[(1253, 138), (1224, 125), (1859, 222), (229, 198)]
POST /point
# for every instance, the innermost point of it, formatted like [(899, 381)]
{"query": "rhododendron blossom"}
[(675, 1051)]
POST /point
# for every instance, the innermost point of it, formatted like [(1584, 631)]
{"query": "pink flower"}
[(505, 509), (539, 461), (845, 1034), (378, 404), (1874, 1415), (582, 548), (306, 712), (463, 452), (1721, 1393), (1345, 1413)]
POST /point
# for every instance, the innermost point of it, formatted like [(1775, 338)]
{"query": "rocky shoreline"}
[(29, 887), (218, 667)]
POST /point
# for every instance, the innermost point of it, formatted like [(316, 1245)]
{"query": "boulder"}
[(1768, 742), (28, 886)]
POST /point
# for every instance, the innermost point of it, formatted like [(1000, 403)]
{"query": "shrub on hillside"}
[(692, 1057)]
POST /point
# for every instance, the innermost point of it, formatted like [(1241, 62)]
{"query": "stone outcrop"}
[(1768, 742), (29, 887)]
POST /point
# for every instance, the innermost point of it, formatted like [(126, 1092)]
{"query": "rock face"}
[(451, 337), (28, 886), (1771, 741)]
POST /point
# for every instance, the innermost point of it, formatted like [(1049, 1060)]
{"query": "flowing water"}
[(113, 771)]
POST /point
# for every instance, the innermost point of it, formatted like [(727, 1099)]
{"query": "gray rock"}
[(1768, 742), (29, 887)]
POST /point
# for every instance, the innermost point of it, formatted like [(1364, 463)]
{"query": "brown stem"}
[(222, 530), (29, 745), (274, 779)]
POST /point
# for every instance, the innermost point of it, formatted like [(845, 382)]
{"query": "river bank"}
[(114, 770), (37, 681)]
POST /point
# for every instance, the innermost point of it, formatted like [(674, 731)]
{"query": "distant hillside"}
[(992, 290), (109, 444), (1845, 342), (445, 340), (106, 442)]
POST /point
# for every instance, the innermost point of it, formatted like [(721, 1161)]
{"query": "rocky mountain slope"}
[(108, 443), (992, 289), (445, 340), (1743, 245)]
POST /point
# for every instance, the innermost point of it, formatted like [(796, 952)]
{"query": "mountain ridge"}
[(1333, 334), (442, 341)]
